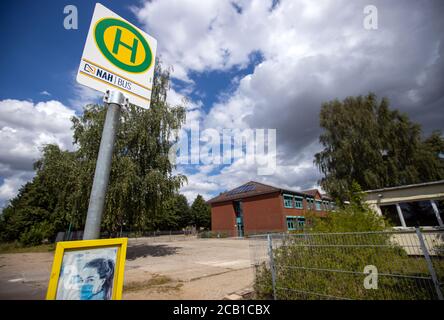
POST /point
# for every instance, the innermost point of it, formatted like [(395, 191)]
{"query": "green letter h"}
[(118, 42)]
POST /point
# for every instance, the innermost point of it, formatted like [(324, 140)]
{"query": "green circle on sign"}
[(99, 35)]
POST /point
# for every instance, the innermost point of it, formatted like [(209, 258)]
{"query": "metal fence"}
[(233, 233), (366, 265)]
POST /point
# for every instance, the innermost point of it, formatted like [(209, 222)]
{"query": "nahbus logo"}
[(123, 45)]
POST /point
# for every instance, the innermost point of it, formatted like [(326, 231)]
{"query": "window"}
[(326, 207), (310, 203), (298, 202), (291, 223), (301, 223), (318, 205), (418, 214), (440, 207), (415, 214), (288, 201), (392, 215), (295, 223)]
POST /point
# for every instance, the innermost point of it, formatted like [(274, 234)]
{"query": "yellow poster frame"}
[(120, 243)]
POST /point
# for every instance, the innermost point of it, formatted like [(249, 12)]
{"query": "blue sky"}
[(241, 64), (43, 56)]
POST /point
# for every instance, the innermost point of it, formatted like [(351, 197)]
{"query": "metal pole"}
[(114, 101), (69, 231), (429, 264), (438, 216), (272, 269), (401, 217)]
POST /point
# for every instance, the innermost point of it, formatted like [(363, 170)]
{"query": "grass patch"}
[(15, 247), (158, 282)]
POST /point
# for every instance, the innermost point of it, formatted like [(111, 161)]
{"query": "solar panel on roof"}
[(242, 189)]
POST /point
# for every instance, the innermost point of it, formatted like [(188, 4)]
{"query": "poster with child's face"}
[(87, 274)]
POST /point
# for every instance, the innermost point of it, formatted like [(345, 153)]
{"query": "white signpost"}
[(118, 60), (118, 56)]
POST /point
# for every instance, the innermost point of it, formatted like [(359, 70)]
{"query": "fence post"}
[(272, 269), (429, 263)]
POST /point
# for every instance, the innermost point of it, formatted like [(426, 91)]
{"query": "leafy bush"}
[(329, 261), (304, 267), (16, 247), (353, 217), (213, 234), (37, 234)]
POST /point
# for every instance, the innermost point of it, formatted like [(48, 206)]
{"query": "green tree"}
[(368, 143), (176, 214), (43, 205), (201, 213), (141, 178), (183, 211), (356, 216)]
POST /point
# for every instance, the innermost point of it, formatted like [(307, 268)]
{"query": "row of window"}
[(415, 214), (297, 202)]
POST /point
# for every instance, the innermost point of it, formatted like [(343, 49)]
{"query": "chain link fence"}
[(406, 265)]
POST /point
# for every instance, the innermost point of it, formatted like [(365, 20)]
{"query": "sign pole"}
[(107, 66), (114, 101)]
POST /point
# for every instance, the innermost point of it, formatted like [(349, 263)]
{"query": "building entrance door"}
[(239, 218)]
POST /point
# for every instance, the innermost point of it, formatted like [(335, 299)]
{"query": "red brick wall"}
[(263, 213), (223, 218)]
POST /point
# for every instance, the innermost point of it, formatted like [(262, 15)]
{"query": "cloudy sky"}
[(241, 64)]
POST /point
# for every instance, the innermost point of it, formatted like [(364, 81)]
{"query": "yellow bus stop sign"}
[(118, 56)]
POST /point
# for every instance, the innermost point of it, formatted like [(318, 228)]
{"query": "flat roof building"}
[(415, 205)]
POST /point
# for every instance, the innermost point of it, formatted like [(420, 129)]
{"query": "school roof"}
[(253, 188)]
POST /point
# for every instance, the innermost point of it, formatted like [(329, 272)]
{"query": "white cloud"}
[(10, 186), (84, 96), (296, 173), (45, 93), (313, 51), (199, 35), (24, 128)]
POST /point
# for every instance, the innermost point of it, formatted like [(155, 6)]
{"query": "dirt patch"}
[(159, 282), (145, 250), (191, 269), (214, 287)]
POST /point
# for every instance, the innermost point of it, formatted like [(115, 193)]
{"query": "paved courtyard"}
[(161, 269)]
